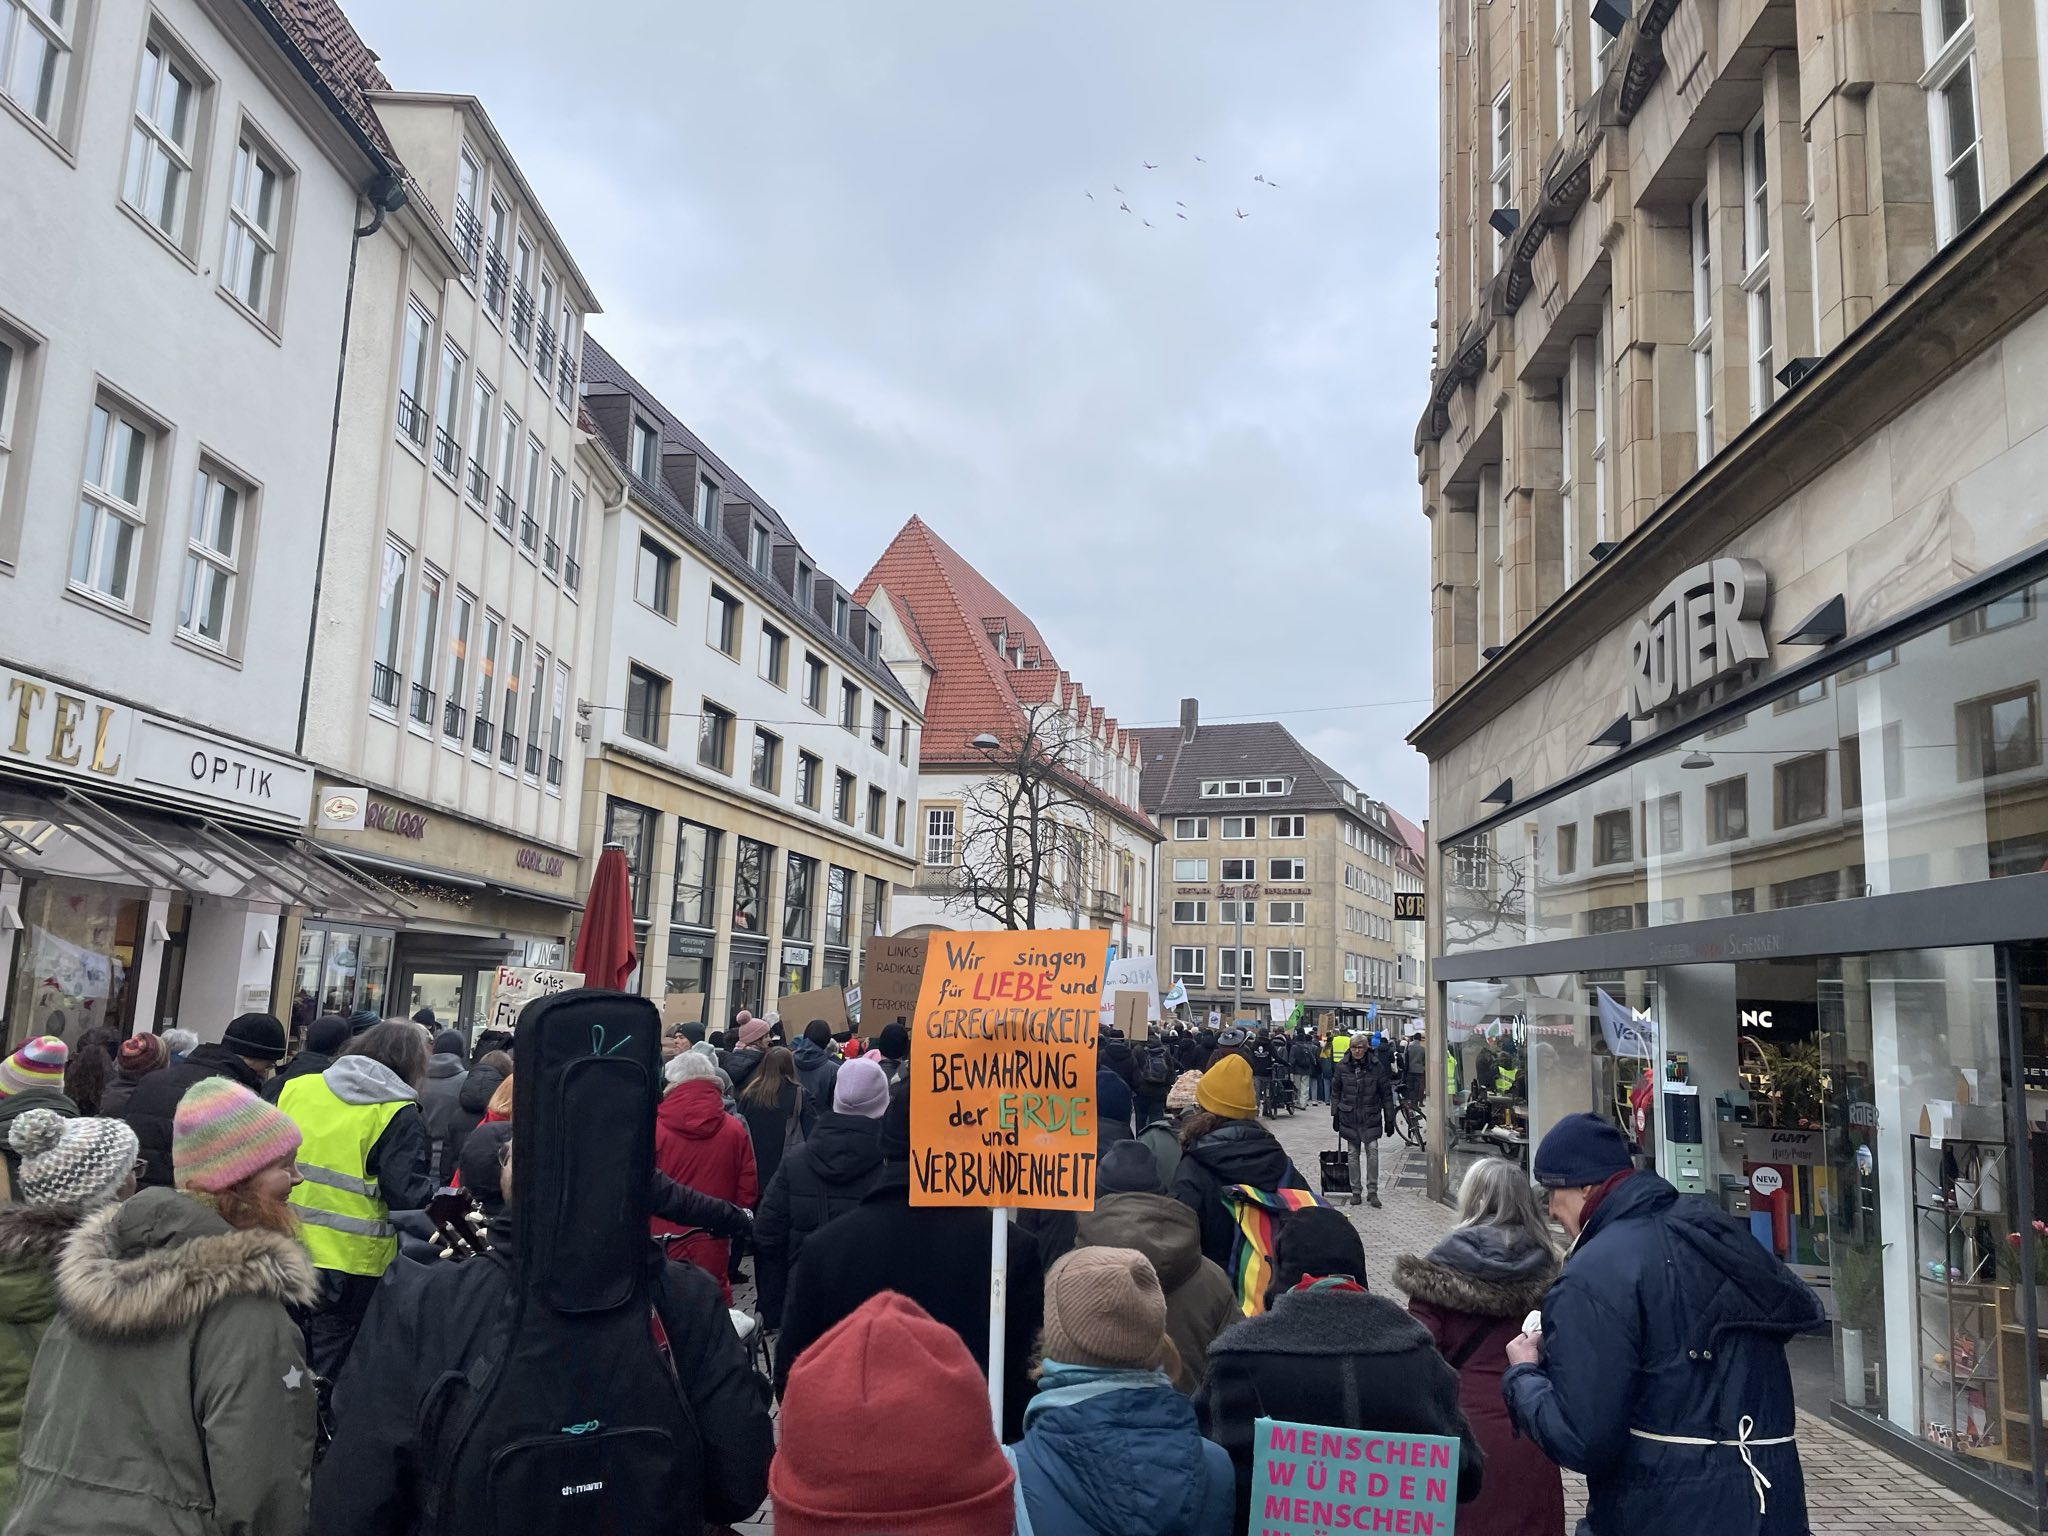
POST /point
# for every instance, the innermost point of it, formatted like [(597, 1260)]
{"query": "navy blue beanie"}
[(1581, 1150)]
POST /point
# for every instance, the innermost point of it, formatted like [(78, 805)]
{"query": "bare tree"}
[(1028, 831), (1485, 891)]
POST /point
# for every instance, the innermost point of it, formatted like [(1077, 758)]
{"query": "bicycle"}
[(1409, 1122)]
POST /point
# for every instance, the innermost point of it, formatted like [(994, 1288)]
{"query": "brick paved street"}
[(1850, 1486)]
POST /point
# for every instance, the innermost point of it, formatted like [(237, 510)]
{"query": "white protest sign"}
[(1131, 973), (516, 985)]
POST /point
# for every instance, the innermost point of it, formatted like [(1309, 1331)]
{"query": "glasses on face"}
[(140, 1167)]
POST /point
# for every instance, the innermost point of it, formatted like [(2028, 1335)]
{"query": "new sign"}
[(1707, 625)]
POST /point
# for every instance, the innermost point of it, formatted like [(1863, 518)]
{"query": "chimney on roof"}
[(1190, 718)]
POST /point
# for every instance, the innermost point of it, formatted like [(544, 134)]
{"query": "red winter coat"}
[(1475, 1288), (698, 1144)]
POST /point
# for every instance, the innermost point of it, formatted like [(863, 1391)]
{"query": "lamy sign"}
[(1707, 625)]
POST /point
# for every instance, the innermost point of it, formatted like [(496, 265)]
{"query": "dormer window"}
[(804, 583), (646, 451), (842, 614), (707, 504), (759, 552)]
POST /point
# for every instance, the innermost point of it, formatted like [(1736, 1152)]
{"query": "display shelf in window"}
[(1960, 1230)]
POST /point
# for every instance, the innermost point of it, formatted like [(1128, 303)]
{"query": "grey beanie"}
[(82, 1162)]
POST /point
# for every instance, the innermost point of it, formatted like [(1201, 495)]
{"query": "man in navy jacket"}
[(1660, 1372)]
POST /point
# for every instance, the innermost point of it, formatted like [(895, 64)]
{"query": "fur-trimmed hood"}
[(33, 1234), (161, 1260), (1483, 1271)]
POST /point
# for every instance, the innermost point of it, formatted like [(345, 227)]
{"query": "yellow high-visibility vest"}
[(344, 1223)]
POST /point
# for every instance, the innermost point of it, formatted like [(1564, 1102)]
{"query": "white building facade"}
[(455, 627), (179, 196), (756, 757)]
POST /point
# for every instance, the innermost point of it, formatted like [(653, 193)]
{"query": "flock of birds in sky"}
[(1180, 208)]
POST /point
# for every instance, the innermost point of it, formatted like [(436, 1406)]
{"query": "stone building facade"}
[(1739, 817)]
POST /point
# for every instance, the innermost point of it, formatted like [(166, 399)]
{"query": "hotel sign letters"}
[(1705, 626)]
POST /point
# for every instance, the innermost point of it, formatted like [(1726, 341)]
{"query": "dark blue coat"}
[(1669, 1317), (1118, 1453)]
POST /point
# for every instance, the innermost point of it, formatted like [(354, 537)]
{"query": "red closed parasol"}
[(605, 952)]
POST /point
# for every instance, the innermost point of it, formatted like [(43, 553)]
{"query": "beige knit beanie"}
[(1103, 1307)]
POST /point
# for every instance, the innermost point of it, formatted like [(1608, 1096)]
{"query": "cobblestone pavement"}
[(1852, 1489)]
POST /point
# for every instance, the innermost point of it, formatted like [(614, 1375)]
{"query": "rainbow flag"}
[(1258, 1213)]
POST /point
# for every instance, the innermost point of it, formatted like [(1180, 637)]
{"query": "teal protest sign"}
[(1312, 1480)]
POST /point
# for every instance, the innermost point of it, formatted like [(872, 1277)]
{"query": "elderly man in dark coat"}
[(1660, 1372)]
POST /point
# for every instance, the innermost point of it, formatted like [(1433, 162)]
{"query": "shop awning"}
[(77, 836)]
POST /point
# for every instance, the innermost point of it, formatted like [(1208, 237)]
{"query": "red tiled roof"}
[(340, 57), (955, 612), (1411, 834)]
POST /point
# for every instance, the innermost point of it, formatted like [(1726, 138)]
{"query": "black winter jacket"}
[(1339, 1357), (739, 1066), (426, 1323), (298, 1066), (154, 1103), (440, 1108), (1670, 1318), (1362, 1098), (827, 1176), (1238, 1152), (935, 1255)]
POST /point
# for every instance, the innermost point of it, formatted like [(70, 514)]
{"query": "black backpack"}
[(1155, 1068), (572, 1422)]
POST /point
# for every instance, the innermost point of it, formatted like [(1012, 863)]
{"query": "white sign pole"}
[(998, 1308)]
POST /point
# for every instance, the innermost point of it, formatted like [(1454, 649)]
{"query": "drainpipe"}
[(386, 195)]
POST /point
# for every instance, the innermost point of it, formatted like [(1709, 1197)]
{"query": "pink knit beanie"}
[(224, 1134), (38, 1064)]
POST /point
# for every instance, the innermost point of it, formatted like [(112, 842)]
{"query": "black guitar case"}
[(573, 1423)]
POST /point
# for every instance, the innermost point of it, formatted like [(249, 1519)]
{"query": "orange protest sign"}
[(1002, 1062)]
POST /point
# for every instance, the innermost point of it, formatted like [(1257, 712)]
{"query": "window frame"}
[(1197, 908), (709, 498), (1973, 763), (949, 840), (1191, 871), (415, 368), (1200, 823), (446, 454), (1784, 812), (1195, 975), (387, 628), (51, 113), (764, 761), (107, 508), (1608, 850), (269, 244), (1296, 870), (211, 483), (817, 679), (849, 706), (716, 726), (809, 775), (723, 618), (652, 709), (774, 663), (151, 139), (643, 451), (1727, 803), (1502, 179), (1952, 59), (1701, 252), (844, 784)]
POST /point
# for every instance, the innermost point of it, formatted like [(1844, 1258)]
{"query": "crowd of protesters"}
[(228, 1312)]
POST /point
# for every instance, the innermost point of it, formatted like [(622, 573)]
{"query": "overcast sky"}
[(849, 242)]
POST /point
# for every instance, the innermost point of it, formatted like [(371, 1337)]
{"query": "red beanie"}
[(889, 1363)]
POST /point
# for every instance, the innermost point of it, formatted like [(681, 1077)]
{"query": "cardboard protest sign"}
[(1309, 1479), (1130, 1015), (1002, 1064), (682, 1008), (799, 1008), (515, 986), (889, 979)]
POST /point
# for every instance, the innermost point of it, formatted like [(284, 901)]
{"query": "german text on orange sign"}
[(1002, 1059)]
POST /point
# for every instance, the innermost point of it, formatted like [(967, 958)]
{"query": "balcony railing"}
[(422, 707), (452, 717), (447, 453), (565, 379), (544, 352), (554, 771), (383, 685), (550, 553), (522, 316), (469, 235), (496, 283), (572, 575), (412, 421), (533, 759), (479, 484), (481, 735), (506, 510), (529, 532), (508, 749)]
